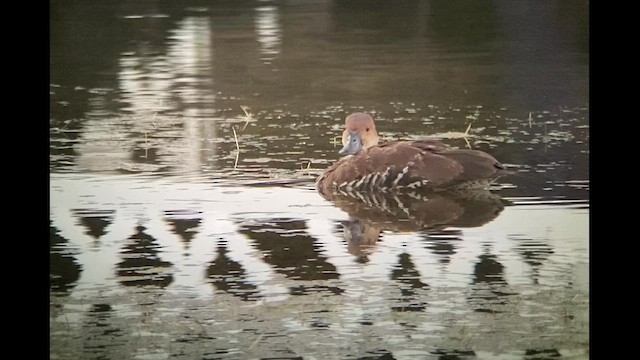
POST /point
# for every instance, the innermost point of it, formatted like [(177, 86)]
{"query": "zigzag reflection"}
[(114, 235)]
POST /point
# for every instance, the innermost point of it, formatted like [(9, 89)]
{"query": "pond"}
[(185, 140)]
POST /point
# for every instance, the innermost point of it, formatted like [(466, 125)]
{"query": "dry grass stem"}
[(467, 131), (248, 115), (235, 166), (256, 341), (246, 112), (467, 141)]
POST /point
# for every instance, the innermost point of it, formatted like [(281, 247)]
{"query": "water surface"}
[(176, 231)]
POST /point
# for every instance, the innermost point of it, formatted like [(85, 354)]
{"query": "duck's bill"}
[(353, 144)]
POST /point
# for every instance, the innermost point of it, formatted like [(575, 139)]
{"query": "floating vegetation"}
[(305, 142)]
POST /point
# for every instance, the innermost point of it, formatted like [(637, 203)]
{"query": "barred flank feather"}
[(410, 165)]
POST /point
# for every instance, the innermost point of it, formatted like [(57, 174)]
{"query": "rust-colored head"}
[(359, 134)]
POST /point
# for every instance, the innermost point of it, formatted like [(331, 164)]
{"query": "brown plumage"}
[(402, 165)]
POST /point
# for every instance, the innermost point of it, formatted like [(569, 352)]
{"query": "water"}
[(176, 231)]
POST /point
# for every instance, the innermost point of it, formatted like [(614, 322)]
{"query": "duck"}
[(402, 165)]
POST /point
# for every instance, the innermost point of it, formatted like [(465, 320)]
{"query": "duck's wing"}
[(431, 145), (476, 165), (413, 165), (393, 165)]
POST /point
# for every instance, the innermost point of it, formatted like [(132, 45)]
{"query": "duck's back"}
[(421, 164)]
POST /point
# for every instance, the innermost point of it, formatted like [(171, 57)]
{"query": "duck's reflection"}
[(372, 212), (361, 237)]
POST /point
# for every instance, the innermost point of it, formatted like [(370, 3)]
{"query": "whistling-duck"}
[(402, 165)]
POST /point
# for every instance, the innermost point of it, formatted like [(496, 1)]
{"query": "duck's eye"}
[(367, 129), (354, 140)]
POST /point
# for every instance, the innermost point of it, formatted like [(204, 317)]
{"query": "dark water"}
[(166, 243)]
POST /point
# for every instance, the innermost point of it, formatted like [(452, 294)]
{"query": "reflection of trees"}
[(380, 354), (229, 276), (286, 246), (289, 249), (95, 221), (105, 335), (489, 288), (454, 354), (183, 224), (63, 270), (141, 265), (541, 354), (408, 278), (442, 243), (534, 253)]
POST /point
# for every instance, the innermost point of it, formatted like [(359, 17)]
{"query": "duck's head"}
[(360, 134)]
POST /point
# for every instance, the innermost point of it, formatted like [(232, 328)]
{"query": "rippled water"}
[(185, 140)]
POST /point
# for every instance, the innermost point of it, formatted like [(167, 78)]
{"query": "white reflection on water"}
[(137, 201), (191, 57), (268, 32), (151, 84), (540, 251)]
